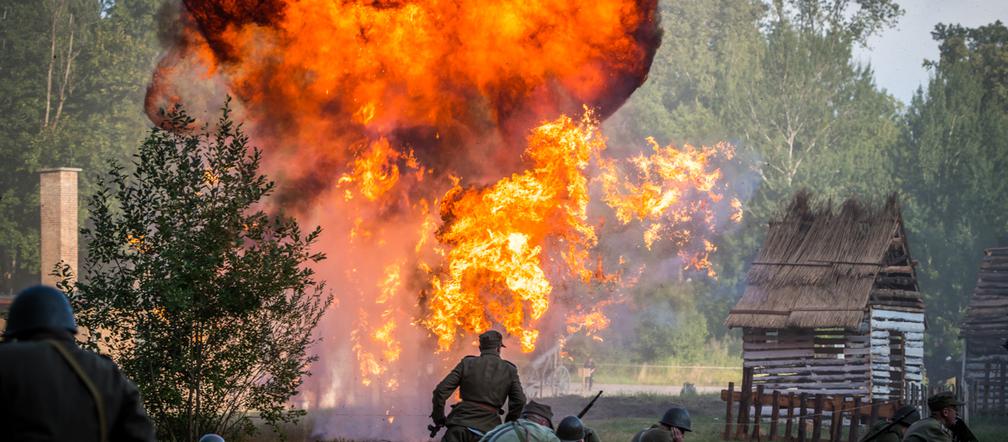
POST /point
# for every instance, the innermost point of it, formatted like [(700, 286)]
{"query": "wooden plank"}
[(802, 401), (774, 415), (852, 434), (917, 327), (817, 418), (777, 354), (758, 409), (1004, 382), (729, 398), (874, 412), (987, 388)]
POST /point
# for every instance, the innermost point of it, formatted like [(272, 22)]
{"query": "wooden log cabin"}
[(985, 331), (831, 304)]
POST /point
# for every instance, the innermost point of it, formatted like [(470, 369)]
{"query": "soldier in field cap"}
[(485, 382), (943, 425)]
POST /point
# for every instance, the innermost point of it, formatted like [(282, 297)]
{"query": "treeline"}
[(777, 78)]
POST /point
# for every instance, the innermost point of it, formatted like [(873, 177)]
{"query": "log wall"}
[(820, 361), (897, 351)]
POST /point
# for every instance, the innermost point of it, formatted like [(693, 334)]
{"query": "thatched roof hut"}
[(818, 267), (837, 286)]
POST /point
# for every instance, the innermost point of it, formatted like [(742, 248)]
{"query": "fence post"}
[(744, 401), (728, 412), (852, 435), (774, 415), (987, 389), (790, 416), (817, 418), (1004, 380), (801, 419), (873, 417), (758, 408), (837, 421)]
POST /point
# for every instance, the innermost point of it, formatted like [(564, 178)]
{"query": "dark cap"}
[(491, 339), (39, 308), (906, 415), (542, 410), (943, 400)]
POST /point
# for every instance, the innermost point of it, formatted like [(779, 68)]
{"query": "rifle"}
[(584, 410)]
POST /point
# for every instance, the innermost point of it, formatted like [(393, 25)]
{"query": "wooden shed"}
[(985, 331), (832, 304)]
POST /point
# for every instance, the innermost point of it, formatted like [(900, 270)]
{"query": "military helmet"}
[(39, 308), (906, 415), (210, 437), (677, 417), (570, 429)]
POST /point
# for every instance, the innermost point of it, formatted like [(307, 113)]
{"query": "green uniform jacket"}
[(484, 383), (654, 434), (43, 399), (520, 430), (927, 430), (891, 434)]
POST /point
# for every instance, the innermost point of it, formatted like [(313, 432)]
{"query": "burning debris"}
[(398, 127)]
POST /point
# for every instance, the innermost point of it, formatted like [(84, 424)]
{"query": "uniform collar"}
[(490, 352)]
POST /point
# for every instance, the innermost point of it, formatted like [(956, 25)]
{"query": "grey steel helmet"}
[(677, 417), (39, 308), (570, 429), (211, 437)]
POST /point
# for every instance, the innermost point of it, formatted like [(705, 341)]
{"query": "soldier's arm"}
[(133, 424), (516, 397), (591, 435), (443, 391)]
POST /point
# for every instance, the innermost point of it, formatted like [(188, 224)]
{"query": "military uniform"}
[(927, 430), (484, 383), (43, 399)]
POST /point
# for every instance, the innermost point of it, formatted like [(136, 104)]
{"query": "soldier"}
[(892, 430), (571, 429), (484, 382), (50, 389), (671, 428), (535, 425), (938, 427)]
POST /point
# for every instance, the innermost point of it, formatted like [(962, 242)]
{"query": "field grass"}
[(666, 375)]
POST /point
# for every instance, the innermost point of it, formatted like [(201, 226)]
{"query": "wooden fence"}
[(805, 417)]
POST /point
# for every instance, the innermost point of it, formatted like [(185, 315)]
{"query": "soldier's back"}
[(927, 430), (42, 398), (487, 379), (877, 434), (654, 434)]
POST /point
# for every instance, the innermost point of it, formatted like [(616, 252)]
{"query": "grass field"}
[(618, 418)]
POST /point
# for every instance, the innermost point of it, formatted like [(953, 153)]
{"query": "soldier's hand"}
[(677, 435), (439, 419)]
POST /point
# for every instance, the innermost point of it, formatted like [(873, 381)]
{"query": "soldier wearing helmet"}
[(50, 389), (485, 382), (672, 427), (571, 429), (892, 430)]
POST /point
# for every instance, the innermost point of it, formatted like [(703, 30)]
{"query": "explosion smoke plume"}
[(429, 140)]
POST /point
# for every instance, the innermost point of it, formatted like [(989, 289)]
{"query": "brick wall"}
[(58, 232)]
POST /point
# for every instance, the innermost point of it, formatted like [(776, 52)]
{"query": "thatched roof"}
[(818, 265), (987, 314)]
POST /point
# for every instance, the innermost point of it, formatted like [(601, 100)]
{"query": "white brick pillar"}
[(58, 231)]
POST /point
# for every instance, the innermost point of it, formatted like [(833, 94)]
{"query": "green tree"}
[(207, 302), (954, 162), (74, 75)]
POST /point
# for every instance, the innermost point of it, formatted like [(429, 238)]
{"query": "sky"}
[(896, 55)]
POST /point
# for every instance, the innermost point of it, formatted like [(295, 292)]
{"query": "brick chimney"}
[(58, 231)]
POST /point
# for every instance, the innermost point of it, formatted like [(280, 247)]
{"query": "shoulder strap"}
[(99, 403)]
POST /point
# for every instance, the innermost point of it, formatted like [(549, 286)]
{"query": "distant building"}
[(832, 304), (985, 331)]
